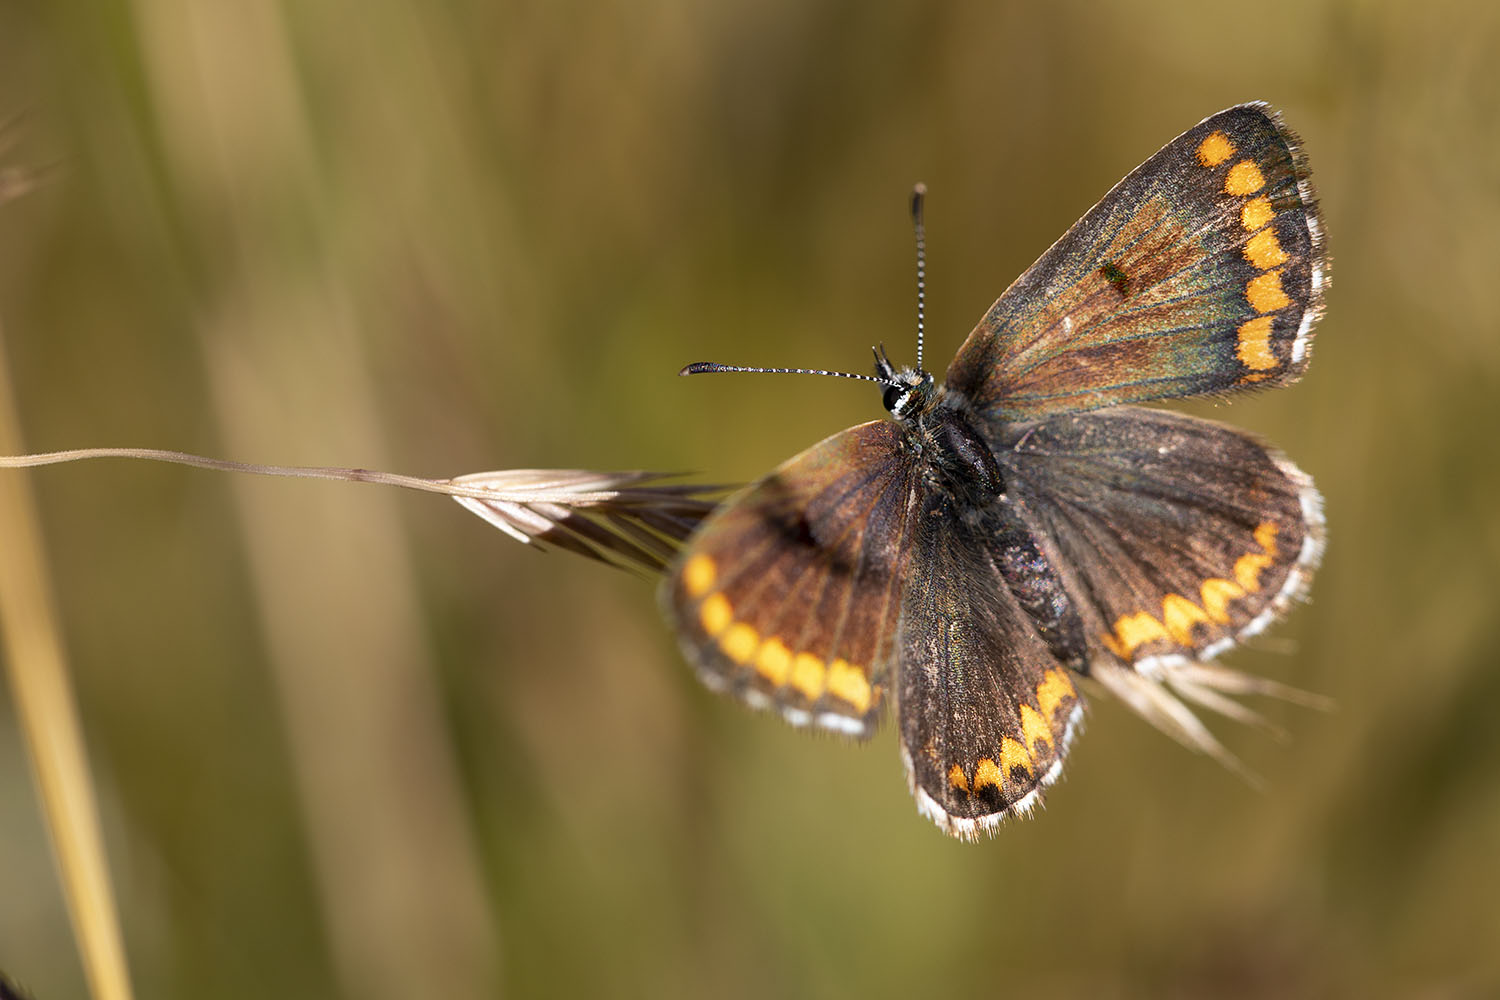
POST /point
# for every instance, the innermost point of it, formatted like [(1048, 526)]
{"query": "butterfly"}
[(1024, 522)]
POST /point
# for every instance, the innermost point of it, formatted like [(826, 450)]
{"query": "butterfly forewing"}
[(1182, 536), (789, 596), (1201, 272)]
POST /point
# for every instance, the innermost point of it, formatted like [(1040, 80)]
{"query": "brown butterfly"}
[(1021, 523)]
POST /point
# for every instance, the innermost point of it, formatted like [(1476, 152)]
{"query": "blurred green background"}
[(353, 742)]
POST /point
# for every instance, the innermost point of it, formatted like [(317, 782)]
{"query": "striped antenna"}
[(918, 197), (882, 364), (709, 367)]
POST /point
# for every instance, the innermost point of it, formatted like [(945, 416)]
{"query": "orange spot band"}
[(1180, 615)]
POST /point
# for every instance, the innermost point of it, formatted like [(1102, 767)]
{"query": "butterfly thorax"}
[(953, 455)]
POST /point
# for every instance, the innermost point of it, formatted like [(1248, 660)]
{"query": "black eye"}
[(892, 397)]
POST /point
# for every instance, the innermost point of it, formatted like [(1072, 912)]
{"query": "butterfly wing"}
[(1181, 536), (986, 710), (789, 595), (1201, 272)]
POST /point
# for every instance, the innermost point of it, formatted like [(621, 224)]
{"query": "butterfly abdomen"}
[(1039, 590), (964, 473)]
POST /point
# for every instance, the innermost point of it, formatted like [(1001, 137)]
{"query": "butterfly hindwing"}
[(986, 709), (1183, 536), (1202, 272), (789, 595)]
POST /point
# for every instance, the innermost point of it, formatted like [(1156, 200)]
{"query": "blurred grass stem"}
[(37, 666)]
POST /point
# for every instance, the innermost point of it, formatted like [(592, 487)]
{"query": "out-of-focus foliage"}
[(352, 742)]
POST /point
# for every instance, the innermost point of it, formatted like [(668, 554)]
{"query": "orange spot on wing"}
[(1054, 690), (1215, 149), (774, 662), (957, 778), (1012, 755), (739, 642), (1265, 294), (698, 575), (987, 773), (1133, 631), (1255, 344), (1217, 593), (1257, 213), (1034, 727), (1179, 615), (1247, 568), (808, 675), (1264, 250), (715, 614), (1244, 178), (848, 682)]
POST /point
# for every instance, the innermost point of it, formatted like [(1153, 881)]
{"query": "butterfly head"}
[(909, 392)]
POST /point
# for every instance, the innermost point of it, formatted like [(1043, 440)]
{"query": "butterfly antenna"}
[(918, 196), (708, 367)]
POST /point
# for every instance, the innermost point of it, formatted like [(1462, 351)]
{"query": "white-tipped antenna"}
[(918, 196)]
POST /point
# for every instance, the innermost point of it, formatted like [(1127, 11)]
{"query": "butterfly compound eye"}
[(892, 397)]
